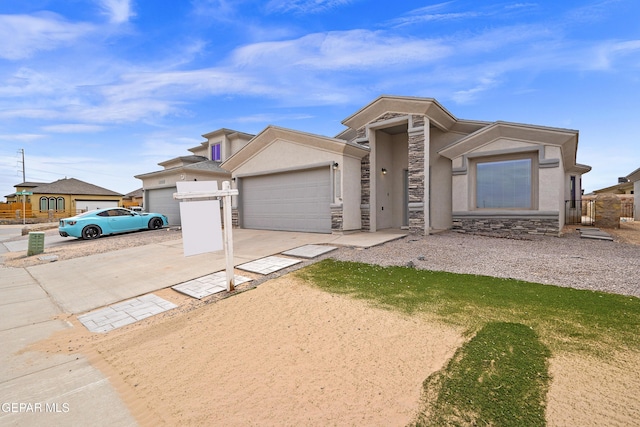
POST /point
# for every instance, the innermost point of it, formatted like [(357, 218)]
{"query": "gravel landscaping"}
[(567, 261)]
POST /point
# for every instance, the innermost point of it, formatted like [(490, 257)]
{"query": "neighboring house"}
[(202, 165), (132, 199), (624, 186), (24, 186), (406, 162), (634, 178), (66, 197)]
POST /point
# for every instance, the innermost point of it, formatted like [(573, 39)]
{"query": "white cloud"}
[(38, 32), (21, 137), (220, 10), (470, 95), (603, 56), (304, 6), (355, 49), (73, 128), (118, 11)]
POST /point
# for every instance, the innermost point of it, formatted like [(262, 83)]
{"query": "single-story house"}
[(202, 164), (407, 162), (65, 197), (133, 199), (624, 186), (634, 177)]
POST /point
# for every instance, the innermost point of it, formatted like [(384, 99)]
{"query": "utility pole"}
[(24, 179)]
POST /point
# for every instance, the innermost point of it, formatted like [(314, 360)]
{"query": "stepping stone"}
[(268, 264), (125, 313), (594, 233), (207, 285), (310, 251)]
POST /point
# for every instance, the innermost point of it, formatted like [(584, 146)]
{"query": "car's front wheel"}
[(155, 223), (90, 232)]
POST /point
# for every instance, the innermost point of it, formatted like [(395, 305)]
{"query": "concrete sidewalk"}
[(82, 284), (42, 389)]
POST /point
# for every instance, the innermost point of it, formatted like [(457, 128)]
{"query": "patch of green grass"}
[(498, 378), (565, 318)]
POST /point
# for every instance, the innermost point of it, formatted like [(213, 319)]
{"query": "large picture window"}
[(504, 184)]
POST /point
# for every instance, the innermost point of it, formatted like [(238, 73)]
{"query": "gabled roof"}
[(134, 193), (634, 176), (73, 186), (202, 166), (438, 115), (566, 139), (619, 188), (30, 184), (225, 131), (272, 133), (184, 159)]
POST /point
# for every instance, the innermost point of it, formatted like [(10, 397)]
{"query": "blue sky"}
[(102, 90)]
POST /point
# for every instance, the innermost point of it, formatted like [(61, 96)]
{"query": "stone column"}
[(365, 199), (337, 218), (418, 175), (608, 210)]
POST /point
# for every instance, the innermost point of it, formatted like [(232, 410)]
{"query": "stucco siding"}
[(460, 193), (504, 144), (550, 184), (281, 154), (441, 191)]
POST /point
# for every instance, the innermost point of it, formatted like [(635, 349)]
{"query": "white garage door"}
[(292, 201), (161, 200), (91, 205)]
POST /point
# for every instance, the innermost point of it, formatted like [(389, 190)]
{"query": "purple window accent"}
[(215, 152)]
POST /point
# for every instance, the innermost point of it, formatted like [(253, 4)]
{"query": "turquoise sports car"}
[(93, 224)]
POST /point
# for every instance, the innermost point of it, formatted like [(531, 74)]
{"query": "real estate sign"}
[(201, 225)]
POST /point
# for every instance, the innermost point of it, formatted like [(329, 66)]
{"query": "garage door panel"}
[(160, 200), (293, 201)]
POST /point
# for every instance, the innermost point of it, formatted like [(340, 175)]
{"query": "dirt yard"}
[(286, 353)]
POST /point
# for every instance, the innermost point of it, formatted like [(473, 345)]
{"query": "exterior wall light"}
[(384, 171), (335, 165)]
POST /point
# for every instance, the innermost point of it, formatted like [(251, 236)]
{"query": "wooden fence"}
[(13, 211)]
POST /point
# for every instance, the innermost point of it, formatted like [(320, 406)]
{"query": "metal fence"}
[(626, 210), (583, 212), (580, 212)]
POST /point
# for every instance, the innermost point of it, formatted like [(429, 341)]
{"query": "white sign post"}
[(202, 215), (24, 195)]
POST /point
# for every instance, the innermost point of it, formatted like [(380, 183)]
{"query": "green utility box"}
[(36, 243)]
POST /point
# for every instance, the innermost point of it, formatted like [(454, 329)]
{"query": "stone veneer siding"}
[(503, 226), (365, 195), (235, 217), (416, 174), (416, 181), (336, 218)]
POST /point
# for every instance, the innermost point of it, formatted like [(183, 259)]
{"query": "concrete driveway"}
[(42, 389)]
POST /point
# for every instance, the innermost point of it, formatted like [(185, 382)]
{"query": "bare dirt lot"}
[(286, 353)]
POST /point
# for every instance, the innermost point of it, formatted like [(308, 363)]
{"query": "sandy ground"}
[(281, 354), (286, 353)]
